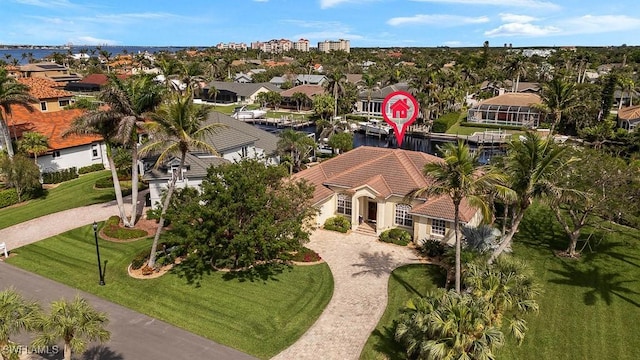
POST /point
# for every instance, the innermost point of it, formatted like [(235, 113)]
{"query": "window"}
[(245, 152), (94, 150), (43, 106), (344, 204), (55, 154), (402, 215), (438, 227), (63, 103)]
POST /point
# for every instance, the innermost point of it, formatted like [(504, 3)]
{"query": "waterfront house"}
[(629, 118), (288, 101), (50, 70), (367, 185), (236, 93), (512, 109), (50, 97), (374, 107)]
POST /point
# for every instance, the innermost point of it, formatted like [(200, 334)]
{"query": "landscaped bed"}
[(261, 316), (588, 308)]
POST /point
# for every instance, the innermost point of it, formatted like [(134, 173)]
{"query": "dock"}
[(282, 122)]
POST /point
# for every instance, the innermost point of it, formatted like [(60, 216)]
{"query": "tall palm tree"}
[(459, 177), (370, 83), (176, 128), (33, 143), (335, 86), (516, 66), (448, 325), (16, 315), (530, 166), (12, 93), (300, 98), (297, 145), (76, 323), (558, 96)]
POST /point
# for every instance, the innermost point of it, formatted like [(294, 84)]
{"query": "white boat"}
[(243, 114), (375, 127)]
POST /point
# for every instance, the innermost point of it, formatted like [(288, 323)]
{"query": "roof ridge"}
[(402, 160), (362, 164)]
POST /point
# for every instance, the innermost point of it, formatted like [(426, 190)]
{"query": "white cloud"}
[(443, 20), (514, 18), (316, 24), (505, 3), (325, 4), (46, 3), (90, 40), (593, 24), (518, 29), (261, 0)]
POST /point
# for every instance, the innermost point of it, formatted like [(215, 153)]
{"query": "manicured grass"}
[(469, 130), (589, 307), (260, 317), (68, 195), (405, 282)]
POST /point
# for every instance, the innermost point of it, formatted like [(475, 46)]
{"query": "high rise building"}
[(328, 45)]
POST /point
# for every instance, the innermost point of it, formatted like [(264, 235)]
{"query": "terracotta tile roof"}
[(100, 79), (629, 113), (42, 88), (387, 172), (50, 124), (309, 90), (442, 208), (512, 99)]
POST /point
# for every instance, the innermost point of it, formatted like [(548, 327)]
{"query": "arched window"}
[(402, 215), (344, 204)]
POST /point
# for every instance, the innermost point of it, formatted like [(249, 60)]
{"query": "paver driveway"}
[(361, 266)]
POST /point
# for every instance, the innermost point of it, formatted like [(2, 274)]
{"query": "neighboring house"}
[(49, 70), (230, 93), (354, 78), (624, 98), (278, 81), (50, 97), (288, 102), (310, 79), (629, 118), (236, 141), (242, 78), (499, 88), (64, 152), (367, 185), (374, 108), (513, 109), (91, 83)]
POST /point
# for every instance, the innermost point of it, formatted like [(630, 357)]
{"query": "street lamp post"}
[(95, 235)]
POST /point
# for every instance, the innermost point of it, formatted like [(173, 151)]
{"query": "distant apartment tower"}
[(301, 45), (273, 46), (328, 45), (232, 46)]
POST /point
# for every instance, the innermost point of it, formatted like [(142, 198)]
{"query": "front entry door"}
[(372, 211)]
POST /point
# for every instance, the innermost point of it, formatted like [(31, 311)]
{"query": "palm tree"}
[(297, 145), (129, 101), (175, 129), (459, 177), (448, 325), (558, 97), (516, 66), (12, 93), (33, 143), (300, 98), (335, 86), (76, 323), (370, 83), (530, 166), (16, 315)]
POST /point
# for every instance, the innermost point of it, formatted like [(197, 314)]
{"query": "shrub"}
[(432, 248), (90, 168), (104, 183), (112, 229), (140, 259), (444, 122), (306, 255), (396, 236), (8, 197), (59, 176), (338, 223)]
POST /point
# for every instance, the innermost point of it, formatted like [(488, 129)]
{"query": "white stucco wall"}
[(156, 188), (78, 157)]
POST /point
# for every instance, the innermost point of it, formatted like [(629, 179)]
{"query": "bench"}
[(3, 248)]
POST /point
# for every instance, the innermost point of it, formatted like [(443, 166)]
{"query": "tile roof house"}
[(229, 93), (374, 108), (50, 70), (368, 184), (629, 118), (51, 97), (91, 82), (288, 102), (236, 141), (513, 109), (64, 152)]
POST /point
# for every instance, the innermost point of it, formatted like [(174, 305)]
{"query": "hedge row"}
[(444, 122), (90, 168), (8, 197), (338, 223), (59, 176), (491, 126), (396, 236)]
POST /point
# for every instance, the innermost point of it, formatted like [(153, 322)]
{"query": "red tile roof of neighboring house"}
[(629, 113), (49, 124), (42, 88), (513, 99), (385, 171)]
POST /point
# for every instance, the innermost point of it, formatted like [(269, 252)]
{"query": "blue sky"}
[(366, 23)]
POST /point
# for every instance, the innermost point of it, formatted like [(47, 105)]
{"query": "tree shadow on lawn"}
[(193, 271), (101, 352), (599, 284), (539, 229)]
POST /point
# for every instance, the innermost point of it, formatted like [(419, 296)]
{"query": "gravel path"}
[(361, 266)]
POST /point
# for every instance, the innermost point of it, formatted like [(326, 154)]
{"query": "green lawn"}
[(469, 130), (68, 195), (260, 317), (589, 308)]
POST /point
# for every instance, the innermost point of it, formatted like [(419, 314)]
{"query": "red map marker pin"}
[(399, 109)]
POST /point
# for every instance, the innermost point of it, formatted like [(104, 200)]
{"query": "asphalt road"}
[(133, 336)]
